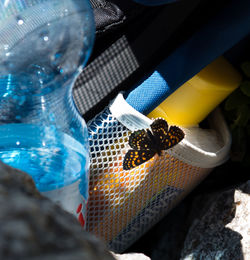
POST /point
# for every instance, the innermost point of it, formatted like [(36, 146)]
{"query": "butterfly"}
[(146, 143)]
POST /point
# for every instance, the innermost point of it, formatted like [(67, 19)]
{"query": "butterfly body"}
[(154, 143), (147, 143)]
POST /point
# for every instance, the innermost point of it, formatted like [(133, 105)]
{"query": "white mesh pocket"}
[(123, 205)]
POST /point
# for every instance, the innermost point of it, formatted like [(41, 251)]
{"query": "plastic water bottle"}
[(43, 46)]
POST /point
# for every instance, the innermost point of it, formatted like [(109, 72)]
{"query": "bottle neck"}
[(23, 101)]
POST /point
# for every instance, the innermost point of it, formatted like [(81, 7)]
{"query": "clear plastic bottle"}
[(43, 46)]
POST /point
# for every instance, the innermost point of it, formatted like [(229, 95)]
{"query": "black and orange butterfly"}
[(145, 143)]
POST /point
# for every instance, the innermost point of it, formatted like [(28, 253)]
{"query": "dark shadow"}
[(166, 239), (151, 35), (204, 46)]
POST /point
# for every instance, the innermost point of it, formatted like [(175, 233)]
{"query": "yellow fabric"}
[(195, 99)]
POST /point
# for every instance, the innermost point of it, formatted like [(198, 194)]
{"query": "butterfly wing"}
[(166, 138), (134, 158), (160, 130), (145, 144), (159, 127), (173, 137), (139, 140)]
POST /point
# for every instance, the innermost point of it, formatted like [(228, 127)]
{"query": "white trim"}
[(185, 151)]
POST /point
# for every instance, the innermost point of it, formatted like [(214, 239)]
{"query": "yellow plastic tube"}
[(195, 99)]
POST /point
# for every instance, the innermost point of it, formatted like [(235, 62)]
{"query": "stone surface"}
[(221, 230), (241, 220), (32, 227), (214, 225), (166, 239), (131, 256)]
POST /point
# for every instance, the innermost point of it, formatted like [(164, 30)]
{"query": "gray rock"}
[(33, 227), (222, 229), (131, 256)]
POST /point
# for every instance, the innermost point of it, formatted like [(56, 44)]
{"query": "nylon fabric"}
[(106, 75), (222, 32), (110, 15)]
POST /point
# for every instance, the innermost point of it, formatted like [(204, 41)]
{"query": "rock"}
[(165, 240), (33, 227), (221, 230), (241, 220), (131, 256)]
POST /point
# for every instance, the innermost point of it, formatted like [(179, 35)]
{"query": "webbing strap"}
[(118, 62), (104, 74)]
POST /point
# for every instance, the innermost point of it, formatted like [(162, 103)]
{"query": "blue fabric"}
[(219, 35), (155, 2)]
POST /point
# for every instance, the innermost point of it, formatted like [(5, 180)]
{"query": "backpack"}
[(142, 54)]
